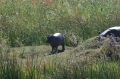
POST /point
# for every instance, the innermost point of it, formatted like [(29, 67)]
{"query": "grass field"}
[(87, 60), (24, 25)]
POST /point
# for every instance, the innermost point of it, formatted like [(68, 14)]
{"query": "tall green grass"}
[(28, 23), (67, 68), (12, 67), (31, 69)]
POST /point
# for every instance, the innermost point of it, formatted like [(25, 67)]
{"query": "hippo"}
[(55, 40), (115, 31)]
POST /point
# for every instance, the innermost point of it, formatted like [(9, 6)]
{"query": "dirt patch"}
[(100, 46)]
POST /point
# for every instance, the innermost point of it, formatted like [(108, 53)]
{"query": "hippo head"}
[(49, 38)]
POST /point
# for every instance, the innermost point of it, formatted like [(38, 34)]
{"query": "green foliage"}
[(31, 69), (28, 23), (57, 66)]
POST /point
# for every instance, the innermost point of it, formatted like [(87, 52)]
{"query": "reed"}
[(25, 23)]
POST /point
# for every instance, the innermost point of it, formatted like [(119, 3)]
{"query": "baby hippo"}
[(55, 40)]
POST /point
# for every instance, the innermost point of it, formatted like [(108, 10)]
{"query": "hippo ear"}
[(99, 32), (52, 36)]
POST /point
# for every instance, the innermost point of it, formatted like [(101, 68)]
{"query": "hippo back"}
[(59, 39), (113, 30)]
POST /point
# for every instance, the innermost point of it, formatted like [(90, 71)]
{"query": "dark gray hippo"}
[(113, 30), (55, 40)]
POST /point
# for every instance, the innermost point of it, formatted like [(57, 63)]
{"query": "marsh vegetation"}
[(24, 25)]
